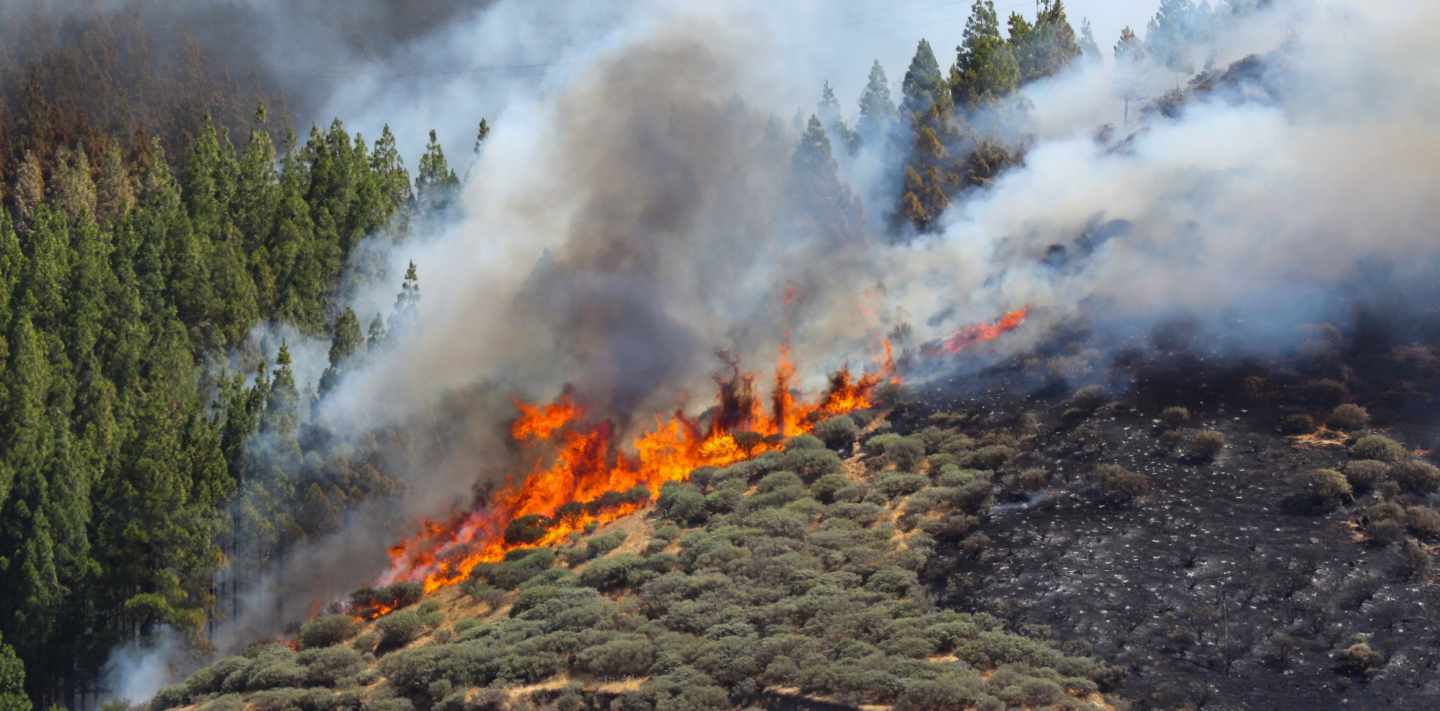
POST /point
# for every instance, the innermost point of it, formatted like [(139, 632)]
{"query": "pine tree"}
[(406, 302), (1129, 48), (12, 680), (1177, 27), (28, 188), (877, 109), (71, 187), (1088, 46), (435, 183), (1047, 47), (985, 66), (282, 408), (824, 203), (830, 116), (114, 188), (481, 133), (924, 88), (346, 341), (375, 335)]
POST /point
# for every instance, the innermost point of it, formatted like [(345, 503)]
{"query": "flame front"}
[(982, 332), (587, 479)]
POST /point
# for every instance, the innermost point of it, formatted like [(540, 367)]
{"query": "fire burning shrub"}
[(1416, 477), (1348, 417), (1365, 474), (1121, 485), (837, 432), (327, 630), (1175, 416), (1379, 447), (1207, 445)]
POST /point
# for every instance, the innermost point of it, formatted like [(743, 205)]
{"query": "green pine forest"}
[(153, 461)]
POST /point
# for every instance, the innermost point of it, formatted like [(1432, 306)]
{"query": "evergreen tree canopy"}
[(1088, 46), (985, 66), (924, 88), (877, 109)]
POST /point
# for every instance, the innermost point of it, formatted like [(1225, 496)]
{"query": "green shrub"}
[(1365, 474), (948, 691), (527, 529), (904, 452), (1297, 424), (328, 630), (1349, 417), (826, 487), (1379, 447), (1207, 445), (891, 581), (391, 704), (1423, 522), (876, 445), (326, 667), (1416, 477), (170, 697), (274, 674), (613, 572), (518, 567), (1121, 485), (1175, 416), (211, 679), (398, 629), (803, 441), (838, 432), (682, 503), (810, 464), (624, 656), (893, 485)]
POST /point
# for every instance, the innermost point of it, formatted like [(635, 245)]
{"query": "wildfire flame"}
[(982, 332), (589, 480)]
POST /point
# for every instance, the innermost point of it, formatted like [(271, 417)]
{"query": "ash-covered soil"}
[(1212, 590)]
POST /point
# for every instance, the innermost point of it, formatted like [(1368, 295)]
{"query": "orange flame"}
[(590, 481), (982, 332)]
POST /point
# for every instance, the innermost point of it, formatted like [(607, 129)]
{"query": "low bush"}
[(527, 529), (1423, 522), (628, 655), (614, 572), (1088, 399), (1297, 424), (1031, 480), (682, 503), (1379, 447), (1207, 445), (1321, 490), (1175, 416), (893, 485), (518, 567), (1365, 474), (1348, 417), (809, 464), (1416, 477), (398, 629), (327, 667), (904, 452), (990, 457), (804, 441), (838, 432), (1121, 485), (826, 487), (328, 630), (1324, 392), (1358, 660)]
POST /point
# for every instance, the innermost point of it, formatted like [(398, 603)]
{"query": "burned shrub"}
[(1320, 491), (1365, 474), (327, 630), (1357, 660), (1207, 445), (1120, 485), (990, 457), (1030, 480), (1379, 447), (1297, 424), (1175, 416), (1324, 392), (1088, 399), (1348, 417), (1416, 477), (838, 432)]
